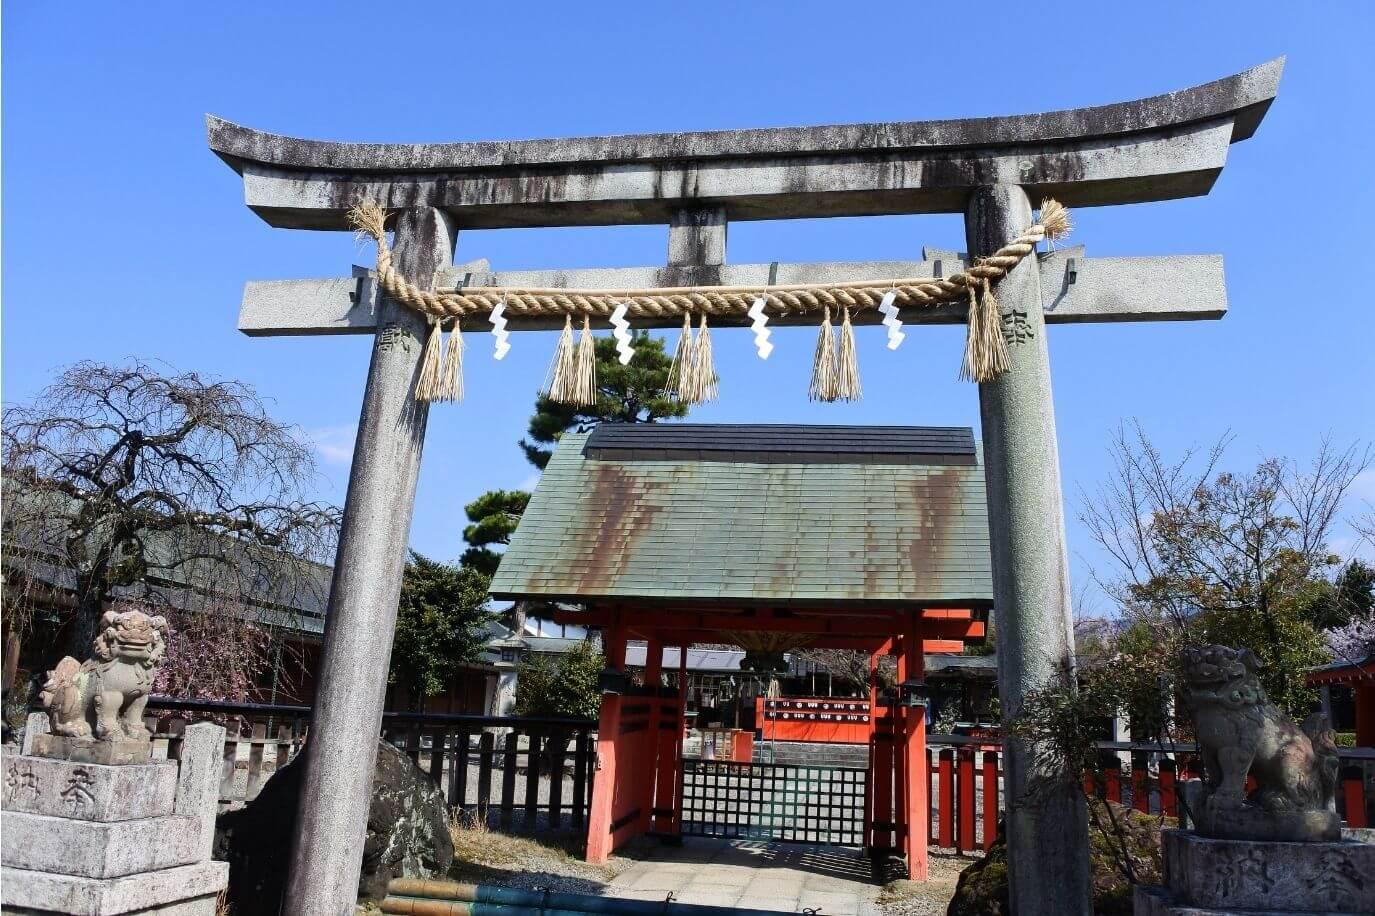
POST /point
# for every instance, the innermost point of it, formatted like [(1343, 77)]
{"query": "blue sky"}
[(125, 237)]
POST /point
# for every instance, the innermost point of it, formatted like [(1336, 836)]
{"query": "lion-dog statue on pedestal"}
[(1241, 732), (105, 695)]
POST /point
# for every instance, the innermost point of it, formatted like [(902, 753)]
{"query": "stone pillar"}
[(1046, 819), (342, 747)]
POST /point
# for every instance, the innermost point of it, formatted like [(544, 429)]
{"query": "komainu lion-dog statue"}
[(105, 695), (1241, 732)]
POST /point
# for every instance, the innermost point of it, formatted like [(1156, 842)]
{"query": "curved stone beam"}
[(1163, 147)]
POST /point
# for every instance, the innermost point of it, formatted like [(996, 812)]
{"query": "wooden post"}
[(1047, 825), (647, 769), (945, 823), (914, 739), (964, 818), (608, 725), (337, 783), (871, 812), (1364, 697), (901, 765), (990, 781)]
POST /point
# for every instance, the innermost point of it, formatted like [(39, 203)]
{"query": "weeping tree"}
[(138, 482)]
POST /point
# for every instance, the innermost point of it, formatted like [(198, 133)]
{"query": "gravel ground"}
[(929, 898)]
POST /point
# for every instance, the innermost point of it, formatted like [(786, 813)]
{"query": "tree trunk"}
[(85, 621)]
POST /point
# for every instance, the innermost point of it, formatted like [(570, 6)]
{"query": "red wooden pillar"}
[(647, 768), (1364, 696), (914, 737), (605, 784), (964, 819), (871, 810), (945, 824), (901, 776), (990, 779), (676, 825), (1169, 805), (668, 739), (1353, 796)]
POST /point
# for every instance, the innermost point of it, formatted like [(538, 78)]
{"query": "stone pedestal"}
[(1207, 877), (94, 839)]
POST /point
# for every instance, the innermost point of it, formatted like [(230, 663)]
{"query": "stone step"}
[(188, 890), (89, 849), (88, 791)]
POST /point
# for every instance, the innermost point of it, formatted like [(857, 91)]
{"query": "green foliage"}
[(627, 394), (566, 687), (440, 624), (1335, 604), (494, 516), (1287, 645)]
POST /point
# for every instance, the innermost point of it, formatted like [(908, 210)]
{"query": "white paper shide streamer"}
[(761, 333), (622, 333), (891, 320), (498, 320)]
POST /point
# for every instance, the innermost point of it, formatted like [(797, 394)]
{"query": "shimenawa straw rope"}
[(985, 350)]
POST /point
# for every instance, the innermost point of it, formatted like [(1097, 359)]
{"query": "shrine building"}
[(770, 538)]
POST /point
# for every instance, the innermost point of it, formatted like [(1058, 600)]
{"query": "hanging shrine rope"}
[(692, 378)]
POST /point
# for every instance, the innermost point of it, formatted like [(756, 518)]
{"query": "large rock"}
[(408, 834), (982, 890)]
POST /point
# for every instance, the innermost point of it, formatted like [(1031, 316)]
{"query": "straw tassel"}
[(1055, 219), (985, 350), (823, 385), (452, 388), (704, 387), (585, 367), (847, 365), (561, 370), (429, 387), (679, 370)]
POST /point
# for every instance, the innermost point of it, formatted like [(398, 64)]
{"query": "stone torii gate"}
[(990, 169)]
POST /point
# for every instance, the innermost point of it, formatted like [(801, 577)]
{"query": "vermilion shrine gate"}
[(989, 169), (866, 538)]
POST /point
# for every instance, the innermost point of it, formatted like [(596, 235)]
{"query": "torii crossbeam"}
[(990, 169)]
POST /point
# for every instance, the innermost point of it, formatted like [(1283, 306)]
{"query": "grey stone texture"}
[(1204, 875), (361, 621), (35, 785), (407, 834), (1241, 732), (1046, 819), (149, 892), (1173, 288), (94, 850), (198, 779), (92, 839), (1159, 148), (112, 752), (104, 696)]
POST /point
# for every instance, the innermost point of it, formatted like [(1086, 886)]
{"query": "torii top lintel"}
[(1159, 148)]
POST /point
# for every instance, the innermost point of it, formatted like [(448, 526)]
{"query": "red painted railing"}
[(965, 781)]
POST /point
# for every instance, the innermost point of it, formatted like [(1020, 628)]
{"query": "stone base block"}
[(1155, 901), (93, 850), (118, 752), (1272, 877), (88, 791), (189, 890)]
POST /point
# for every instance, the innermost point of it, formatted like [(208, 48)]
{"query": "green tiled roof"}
[(742, 521)]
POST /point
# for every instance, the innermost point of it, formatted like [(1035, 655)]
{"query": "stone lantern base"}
[(1208, 877)]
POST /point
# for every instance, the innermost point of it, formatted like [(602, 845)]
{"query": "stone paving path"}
[(787, 877)]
